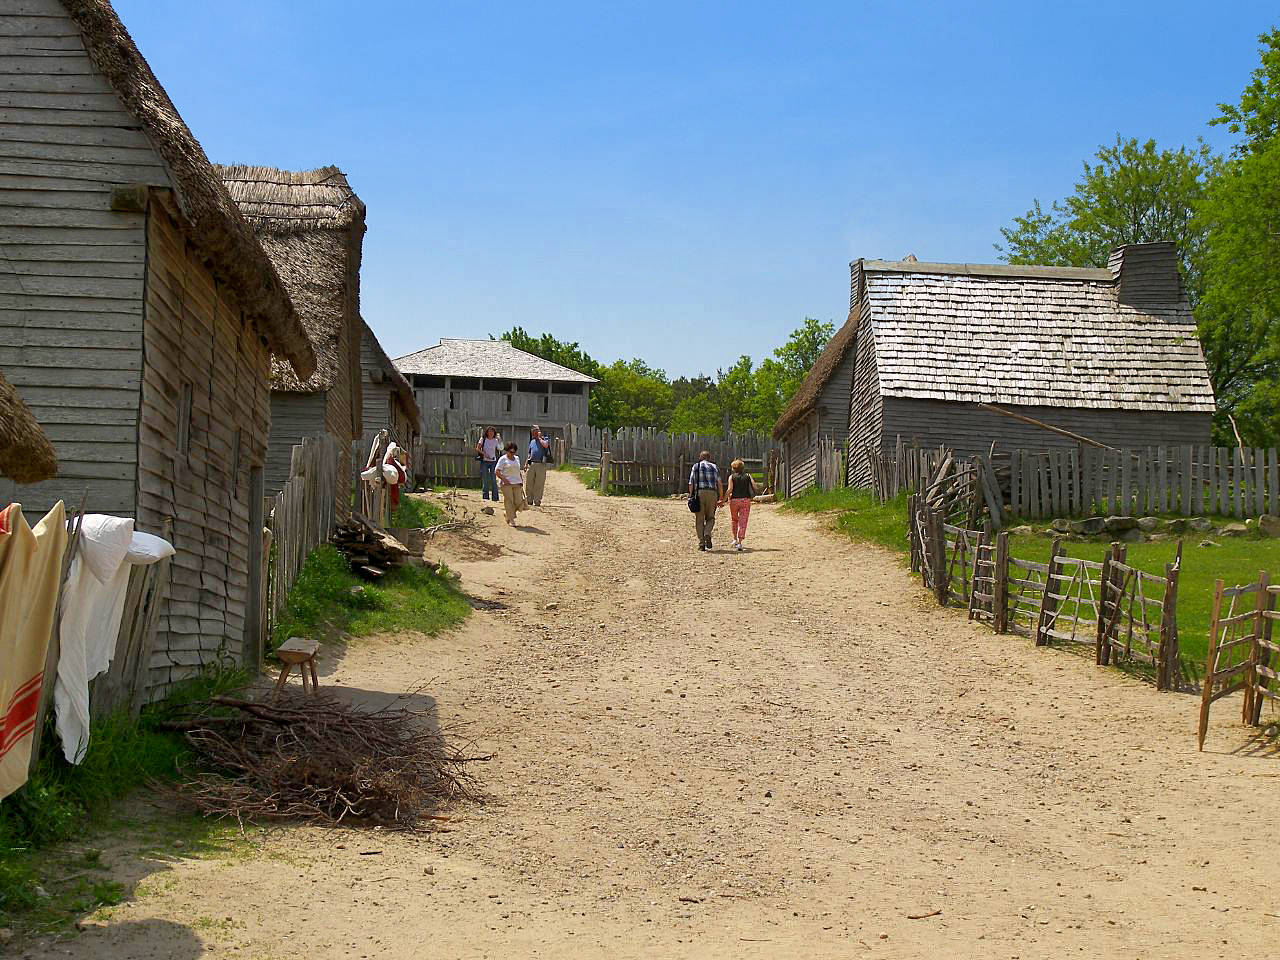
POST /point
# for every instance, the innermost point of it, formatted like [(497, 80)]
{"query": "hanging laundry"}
[(30, 572), (393, 473), (92, 607)]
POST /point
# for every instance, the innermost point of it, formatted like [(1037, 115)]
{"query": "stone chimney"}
[(1146, 274)]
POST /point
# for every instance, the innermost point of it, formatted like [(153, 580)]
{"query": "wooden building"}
[(138, 316), (388, 402), (26, 456), (311, 223), (1110, 354), (461, 384)]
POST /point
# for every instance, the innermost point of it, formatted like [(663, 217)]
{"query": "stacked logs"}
[(370, 551)]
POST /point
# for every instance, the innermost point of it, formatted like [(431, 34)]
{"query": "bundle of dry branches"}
[(319, 759)]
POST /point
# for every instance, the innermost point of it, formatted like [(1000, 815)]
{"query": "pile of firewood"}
[(370, 551), (319, 759)]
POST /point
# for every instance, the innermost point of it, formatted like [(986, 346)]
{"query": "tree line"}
[(631, 393), (1222, 211)]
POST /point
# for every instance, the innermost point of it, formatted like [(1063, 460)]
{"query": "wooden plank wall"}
[(197, 343), (294, 417), (866, 406), (71, 290)]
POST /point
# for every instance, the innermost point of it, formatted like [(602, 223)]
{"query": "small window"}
[(464, 383), (546, 402), (453, 400), (506, 403), (184, 420)]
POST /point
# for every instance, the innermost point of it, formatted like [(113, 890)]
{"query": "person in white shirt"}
[(510, 482), (488, 447)]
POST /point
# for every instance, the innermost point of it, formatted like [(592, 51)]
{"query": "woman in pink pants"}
[(742, 487)]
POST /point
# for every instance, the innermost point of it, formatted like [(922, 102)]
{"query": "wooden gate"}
[(1242, 652)]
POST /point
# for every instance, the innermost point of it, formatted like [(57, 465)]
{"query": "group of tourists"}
[(521, 485), (708, 493)]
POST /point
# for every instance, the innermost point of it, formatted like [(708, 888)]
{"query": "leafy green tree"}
[(1257, 116)]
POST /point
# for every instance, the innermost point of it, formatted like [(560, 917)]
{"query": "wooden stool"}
[(301, 653)]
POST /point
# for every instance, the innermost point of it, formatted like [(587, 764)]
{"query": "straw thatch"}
[(806, 397), (218, 230), (404, 392), (311, 223), (25, 453)]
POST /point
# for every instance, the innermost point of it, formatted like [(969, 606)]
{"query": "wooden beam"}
[(1044, 426)]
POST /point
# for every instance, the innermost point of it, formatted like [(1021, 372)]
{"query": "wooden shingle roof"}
[(1035, 336), (496, 359)]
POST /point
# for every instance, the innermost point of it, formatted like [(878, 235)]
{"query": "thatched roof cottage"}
[(388, 402), (139, 318), (1110, 354), (26, 456), (311, 223)]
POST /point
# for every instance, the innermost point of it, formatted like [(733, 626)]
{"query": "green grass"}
[(328, 600), (61, 801), (417, 512), (860, 516), (589, 476)]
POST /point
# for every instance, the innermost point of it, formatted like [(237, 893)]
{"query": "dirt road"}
[(785, 752)]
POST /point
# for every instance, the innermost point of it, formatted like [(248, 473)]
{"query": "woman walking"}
[(488, 448), (742, 487), (511, 481)]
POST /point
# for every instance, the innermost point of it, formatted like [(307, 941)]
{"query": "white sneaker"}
[(739, 546), (736, 545)]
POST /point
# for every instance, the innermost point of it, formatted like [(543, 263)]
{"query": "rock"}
[(42, 893), (1132, 535), (1147, 524), (1060, 525), (1209, 543), (768, 793), (1269, 525), (1088, 527), (1119, 524), (5, 934), (553, 605), (1200, 523), (429, 870), (1023, 531), (488, 511), (357, 591), (1235, 530), (1176, 525)]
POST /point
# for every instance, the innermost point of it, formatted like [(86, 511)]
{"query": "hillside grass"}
[(328, 601), (858, 515)]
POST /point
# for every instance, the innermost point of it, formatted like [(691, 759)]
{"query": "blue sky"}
[(681, 182)]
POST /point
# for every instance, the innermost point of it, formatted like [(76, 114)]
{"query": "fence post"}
[(1104, 607), (941, 579), (1000, 585), (1048, 605), (1252, 707), (983, 539), (1206, 687), (912, 538), (1169, 624)]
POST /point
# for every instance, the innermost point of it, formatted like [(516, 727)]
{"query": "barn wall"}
[(833, 404), (865, 406), (489, 407), (969, 429), (801, 450), (71, 290), (294, 417), (197, 343)]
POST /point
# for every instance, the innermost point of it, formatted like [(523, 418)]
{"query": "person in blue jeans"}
[(489, 447)]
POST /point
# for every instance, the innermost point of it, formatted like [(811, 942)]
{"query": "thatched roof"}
[(404, 392), (311, 223), (806, 398), (25, 453), (218, 231), (496, 359)]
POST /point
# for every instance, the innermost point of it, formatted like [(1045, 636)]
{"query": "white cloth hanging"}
[(92, 606)]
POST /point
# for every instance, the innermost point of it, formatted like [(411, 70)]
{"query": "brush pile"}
[(318, 759)]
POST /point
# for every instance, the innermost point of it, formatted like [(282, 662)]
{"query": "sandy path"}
[(787, 752)]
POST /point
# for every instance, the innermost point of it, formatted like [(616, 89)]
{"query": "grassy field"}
[(1237, 560)]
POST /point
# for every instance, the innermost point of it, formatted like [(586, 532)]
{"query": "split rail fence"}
[(1243, 653), (1125, 614)]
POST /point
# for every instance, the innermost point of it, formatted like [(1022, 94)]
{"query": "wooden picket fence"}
[(637, 460), (301, 517), (1243, 653), (1126, 614)]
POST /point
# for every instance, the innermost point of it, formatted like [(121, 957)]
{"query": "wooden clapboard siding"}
[(195, 337), (71, 314), (801, 446), (866, 406), (833, 404), (969, 429), (294, 417)]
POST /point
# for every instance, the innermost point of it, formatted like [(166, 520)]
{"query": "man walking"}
[(536, 474), (704, 482)]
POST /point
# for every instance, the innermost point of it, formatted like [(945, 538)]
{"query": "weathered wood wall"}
[(198, 345), (294, 417), (380, 405), (71, 290), (490, 407)]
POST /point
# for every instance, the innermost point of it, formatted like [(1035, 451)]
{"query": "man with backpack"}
[(535, 479)]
